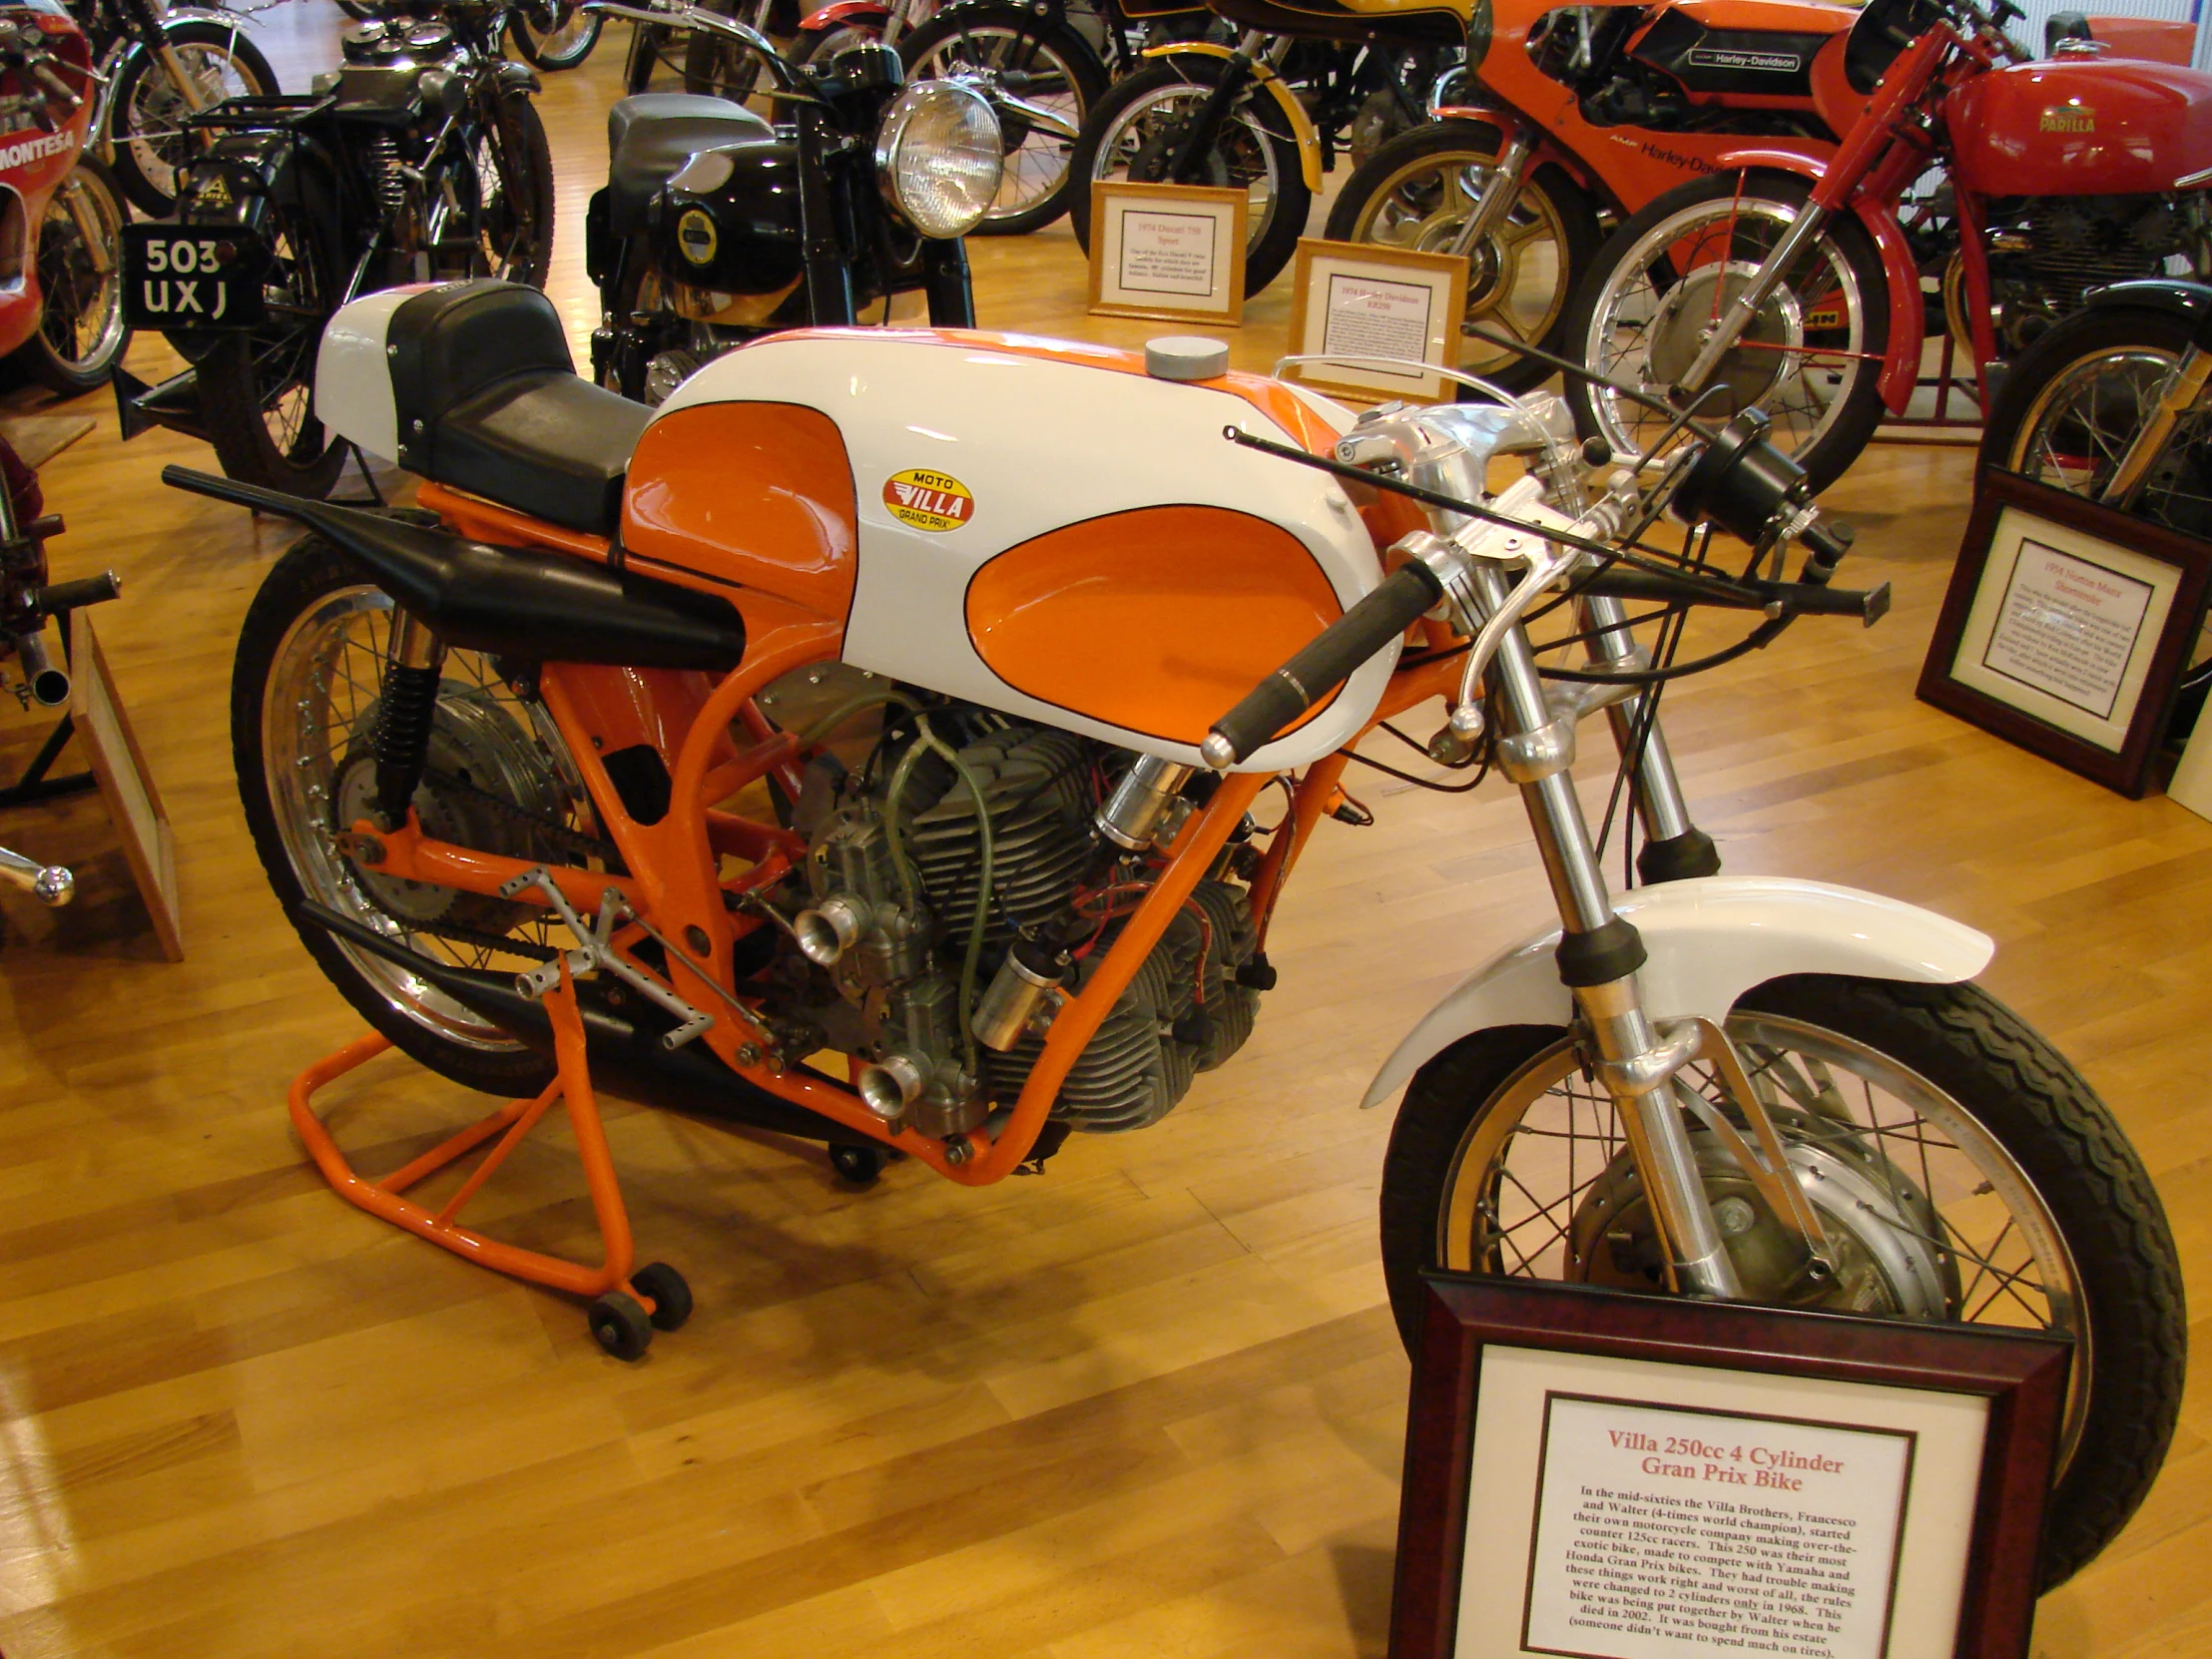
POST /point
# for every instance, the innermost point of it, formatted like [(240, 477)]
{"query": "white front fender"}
[(1707, 941)]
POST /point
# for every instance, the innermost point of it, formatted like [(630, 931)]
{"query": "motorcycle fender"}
[(2191, 303), (1708, 940), (1901, 370), (1301, 123), (513, 74), (234, 21), (845, 11)]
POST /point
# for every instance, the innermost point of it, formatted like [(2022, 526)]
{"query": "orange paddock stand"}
[(627, 1306)]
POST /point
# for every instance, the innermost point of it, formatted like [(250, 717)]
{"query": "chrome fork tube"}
[(1658, 1139), (1658, 791), (1497, 195), (1803, 228), (2183, 388)]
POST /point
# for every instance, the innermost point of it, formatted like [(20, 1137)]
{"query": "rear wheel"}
[(81, 336), (306, 695), (1962, 1170), (146, 124), (1043, 79), (1418, 192), (1139, 125), (1811, 359)]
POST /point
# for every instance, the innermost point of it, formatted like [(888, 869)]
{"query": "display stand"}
[(1947, 382), (628, 1306)]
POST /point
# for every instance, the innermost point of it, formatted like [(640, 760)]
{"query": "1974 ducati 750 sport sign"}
[(1002, 871)]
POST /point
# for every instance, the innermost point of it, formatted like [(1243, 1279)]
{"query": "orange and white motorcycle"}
[(850, 729)]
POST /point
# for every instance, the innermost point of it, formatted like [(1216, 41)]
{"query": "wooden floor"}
[(1147, 1404)]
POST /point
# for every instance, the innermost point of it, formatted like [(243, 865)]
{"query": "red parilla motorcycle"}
[(1790, 284)]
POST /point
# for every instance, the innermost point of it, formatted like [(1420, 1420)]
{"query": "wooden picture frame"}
[(1172, 252), (1487, 1343), (2067, 628), (1389, 296), (126, 784)]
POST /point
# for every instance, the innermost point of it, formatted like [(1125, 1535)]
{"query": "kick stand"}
[(627, 1307)]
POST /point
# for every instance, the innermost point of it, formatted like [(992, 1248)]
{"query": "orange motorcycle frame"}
[(676, 885)]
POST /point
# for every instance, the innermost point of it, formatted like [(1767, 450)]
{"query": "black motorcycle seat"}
[(488, 401), (651, 134)]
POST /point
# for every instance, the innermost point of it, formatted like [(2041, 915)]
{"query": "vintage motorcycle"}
[(850, 754), (1268, 113), (420, 157), (715, 227), (547, 34), (1788, 284), (2112, 403), (61, 316), (160, 65)]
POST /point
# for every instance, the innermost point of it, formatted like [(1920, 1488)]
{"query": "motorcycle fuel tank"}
[(2091, 126), (1033, 525)]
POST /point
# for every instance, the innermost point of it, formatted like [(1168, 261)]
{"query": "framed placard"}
[(1369, 303), (2067, 628), (1593, 1474), (1168, 251)]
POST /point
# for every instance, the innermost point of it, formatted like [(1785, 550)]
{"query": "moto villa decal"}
[(929, 500)]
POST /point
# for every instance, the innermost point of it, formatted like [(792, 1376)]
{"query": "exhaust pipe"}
[(49, 684), (627, 1058)]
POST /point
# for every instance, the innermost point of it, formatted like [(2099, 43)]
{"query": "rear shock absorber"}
[(404, 716), (390, 177)]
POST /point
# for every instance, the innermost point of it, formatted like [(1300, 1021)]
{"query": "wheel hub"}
[(1685, 318)]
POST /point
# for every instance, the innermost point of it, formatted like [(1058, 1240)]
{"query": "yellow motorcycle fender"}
[(1301, 123)]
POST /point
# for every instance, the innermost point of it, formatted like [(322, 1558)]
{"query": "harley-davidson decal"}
[(2069, 118), (929, 500), (1766, 62)]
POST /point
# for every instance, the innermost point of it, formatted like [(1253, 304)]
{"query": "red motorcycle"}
[(60, 289), (1788, 284)]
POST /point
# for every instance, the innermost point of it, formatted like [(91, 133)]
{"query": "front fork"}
[(2182, 391), (1600, 952)]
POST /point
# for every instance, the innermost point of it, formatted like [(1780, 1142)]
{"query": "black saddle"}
[(651, 134), (489, 402)]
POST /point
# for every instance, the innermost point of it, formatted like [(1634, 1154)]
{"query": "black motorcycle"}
[(718, 225), (420, 159)]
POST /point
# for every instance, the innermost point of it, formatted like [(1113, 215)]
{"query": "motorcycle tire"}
[(569, 38), (1974, 1103), (715, 67), (1636, 318), (304, 690), (653, 48), (146, 144), (1413, 193), (1032, 54), (256, 388), (80, 335), (1131, 135)]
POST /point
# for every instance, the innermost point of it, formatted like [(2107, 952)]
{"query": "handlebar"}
[(1323, 663), (713, 23)]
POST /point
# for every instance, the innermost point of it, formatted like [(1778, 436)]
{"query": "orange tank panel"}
[(754, 495), (1155, 620)]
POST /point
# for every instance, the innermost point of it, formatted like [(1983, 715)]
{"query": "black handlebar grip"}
[(57, 597), (1321, 664), (1826, 543)]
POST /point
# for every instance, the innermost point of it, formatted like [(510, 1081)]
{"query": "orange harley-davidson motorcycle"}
[(842, 747)]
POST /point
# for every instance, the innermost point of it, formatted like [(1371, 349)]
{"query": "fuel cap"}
[(1184, 357)]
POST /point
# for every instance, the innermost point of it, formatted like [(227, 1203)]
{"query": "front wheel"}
[(1811, 356), (498, 221), (555, 34), (81, 336), (1041, 78), (1960, 1168), (145, 124), (1418, 192), (1137, 129)]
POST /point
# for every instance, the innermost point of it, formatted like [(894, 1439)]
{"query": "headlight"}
[(940, 157)]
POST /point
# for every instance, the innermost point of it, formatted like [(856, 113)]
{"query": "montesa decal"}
[(695, 234), (1766, 62), (24, 151), (2068, 118), (929, 500)]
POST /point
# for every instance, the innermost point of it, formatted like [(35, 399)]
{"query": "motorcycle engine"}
[(894, 879), (2045, 252)]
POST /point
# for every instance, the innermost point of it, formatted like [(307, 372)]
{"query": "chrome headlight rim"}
[(896, 129)]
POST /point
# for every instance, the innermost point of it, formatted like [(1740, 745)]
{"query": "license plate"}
[(179, 277)]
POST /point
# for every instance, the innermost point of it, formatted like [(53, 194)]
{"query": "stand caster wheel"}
[(860, 1164), (619, 1325), (670, 1295)]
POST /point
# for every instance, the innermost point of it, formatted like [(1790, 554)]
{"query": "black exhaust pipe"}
[(627, 1059)]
